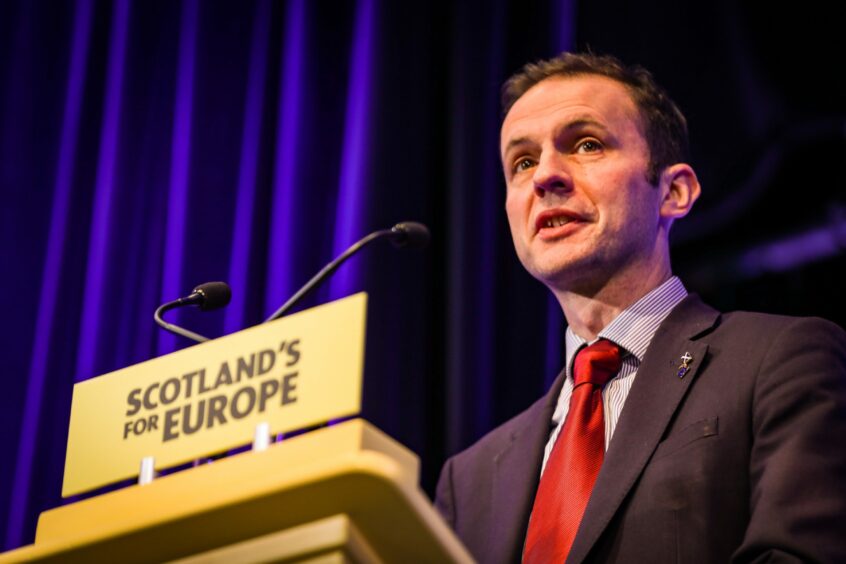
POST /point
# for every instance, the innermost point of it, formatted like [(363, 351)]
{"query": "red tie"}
[(572, 467)]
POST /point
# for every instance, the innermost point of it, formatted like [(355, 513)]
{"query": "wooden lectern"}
[(343, 493)]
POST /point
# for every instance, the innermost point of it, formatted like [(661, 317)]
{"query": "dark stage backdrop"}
[(148, 146)]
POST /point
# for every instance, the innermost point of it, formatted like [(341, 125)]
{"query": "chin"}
[(579, 276), (554, 276)]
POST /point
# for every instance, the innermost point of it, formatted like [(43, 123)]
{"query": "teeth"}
[(556, 222)]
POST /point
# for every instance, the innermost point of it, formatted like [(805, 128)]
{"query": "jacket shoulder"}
[(765, 329), (487, 448)]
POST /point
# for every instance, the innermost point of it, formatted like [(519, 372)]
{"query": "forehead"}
[(561, 98)]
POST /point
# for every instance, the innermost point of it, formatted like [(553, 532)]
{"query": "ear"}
[(679, 189)]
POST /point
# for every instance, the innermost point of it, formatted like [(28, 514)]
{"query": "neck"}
[(588, 312)]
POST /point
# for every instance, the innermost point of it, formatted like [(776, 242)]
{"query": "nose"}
[(551, 174)]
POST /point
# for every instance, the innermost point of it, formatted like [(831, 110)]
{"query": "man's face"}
[(578, 201)]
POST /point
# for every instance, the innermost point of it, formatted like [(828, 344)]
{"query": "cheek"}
[(518, 211), (517, 206), (635, 212), (622, 193)]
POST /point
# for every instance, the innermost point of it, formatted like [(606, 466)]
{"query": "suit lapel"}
[(515, 479), (650, 405)]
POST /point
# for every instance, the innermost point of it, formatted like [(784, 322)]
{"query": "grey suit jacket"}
[(742, 459)]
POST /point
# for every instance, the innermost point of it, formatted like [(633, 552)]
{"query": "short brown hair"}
[(663, 123)]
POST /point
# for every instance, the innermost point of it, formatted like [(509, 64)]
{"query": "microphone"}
[(407, 234), (208, 296)]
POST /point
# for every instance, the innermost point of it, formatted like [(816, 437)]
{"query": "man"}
[(681, 434)]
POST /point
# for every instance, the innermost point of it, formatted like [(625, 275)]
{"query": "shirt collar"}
[(635, 326)]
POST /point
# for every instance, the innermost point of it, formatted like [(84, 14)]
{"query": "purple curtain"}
[(149, 146)]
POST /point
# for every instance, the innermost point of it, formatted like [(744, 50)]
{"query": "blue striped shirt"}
[(632, 330)]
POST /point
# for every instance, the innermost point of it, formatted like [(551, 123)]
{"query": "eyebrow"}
[(580, 122), (583, 122), (516, 142)]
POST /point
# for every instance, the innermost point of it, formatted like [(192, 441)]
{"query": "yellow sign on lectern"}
[(294, 372)]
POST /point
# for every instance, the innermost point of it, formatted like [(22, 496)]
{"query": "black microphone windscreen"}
[(215, 295), (410, 234)]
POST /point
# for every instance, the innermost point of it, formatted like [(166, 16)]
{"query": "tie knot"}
[(597, 363)]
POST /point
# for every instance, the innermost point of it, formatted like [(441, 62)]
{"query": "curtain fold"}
[(281, 282), (245, 206), (180, 161), (24, 441)]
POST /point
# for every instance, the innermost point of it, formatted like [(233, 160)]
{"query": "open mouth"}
[(559, 221), (555, 219)]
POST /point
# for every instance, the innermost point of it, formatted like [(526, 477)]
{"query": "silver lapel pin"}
[(684, 367)]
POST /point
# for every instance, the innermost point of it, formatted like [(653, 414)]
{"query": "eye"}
[(588, 146), (523, 163)]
